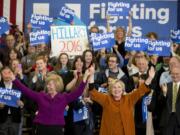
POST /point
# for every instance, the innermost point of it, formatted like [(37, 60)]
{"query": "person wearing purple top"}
[(51, 102)]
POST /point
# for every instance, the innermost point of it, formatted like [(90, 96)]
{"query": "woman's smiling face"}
[(117, 91)]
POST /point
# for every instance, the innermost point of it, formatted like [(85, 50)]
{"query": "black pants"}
[(172, 127), (49, 130)]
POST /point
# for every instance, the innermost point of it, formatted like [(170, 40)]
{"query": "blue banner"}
[(136, 44), (66, 14), (9, 96), (41, 21), (158, 16), (175, 36), (100, 41), (4, 26), (118, 8), (159, 47), (39, 37)]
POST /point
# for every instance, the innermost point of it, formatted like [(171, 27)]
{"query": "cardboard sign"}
[(72, 40), (9, 96)]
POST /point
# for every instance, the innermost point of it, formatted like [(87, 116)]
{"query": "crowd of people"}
[(110, 86)]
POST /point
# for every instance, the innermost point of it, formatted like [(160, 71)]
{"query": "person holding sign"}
[(120, 35), (10, 116), (51, 102), (118, 108)]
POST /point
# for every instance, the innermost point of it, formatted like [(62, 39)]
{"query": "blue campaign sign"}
[(159, 47), (66, 14), (41, 21), (158, 16), (4, 26), (39, 37), (118, 8), (175, 36), (76, 21), (105, 40), (9, 96), (80, 114), (136, 44), (145, 102)]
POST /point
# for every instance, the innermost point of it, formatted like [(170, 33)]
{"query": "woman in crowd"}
[(63, 68), (80, 126), (51, 102), (13, 54), (117, 117)]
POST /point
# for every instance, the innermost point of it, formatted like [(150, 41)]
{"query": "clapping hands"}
[(89, 73)]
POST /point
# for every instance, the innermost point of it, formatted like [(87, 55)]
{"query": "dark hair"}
[(113, 55), (17, 52), (93, 58), (94, 27), (59, 64), (5, 67), (149, 34), (75, 60)]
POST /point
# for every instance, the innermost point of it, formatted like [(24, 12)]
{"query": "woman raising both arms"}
[(51, 102), (118, 108)]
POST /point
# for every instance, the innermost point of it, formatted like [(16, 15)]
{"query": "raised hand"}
[(151, 72), (151, 75), (89, 73)]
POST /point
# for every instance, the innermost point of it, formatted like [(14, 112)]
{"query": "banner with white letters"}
[(9, 96), (41, 21), (118, 8), (66, 14), (39, 37), (158, 16), (105, 40)]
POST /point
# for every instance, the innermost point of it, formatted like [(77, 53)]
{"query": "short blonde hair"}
[(121, 83), (57, 80)]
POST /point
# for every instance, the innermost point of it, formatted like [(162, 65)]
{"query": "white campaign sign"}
[(72, 40)]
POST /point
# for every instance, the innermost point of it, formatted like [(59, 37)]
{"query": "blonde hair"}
[(121, 83), (57, 80)]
